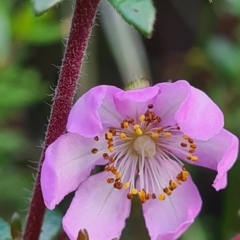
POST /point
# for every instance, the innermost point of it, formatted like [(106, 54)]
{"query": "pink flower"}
[(140, 136)]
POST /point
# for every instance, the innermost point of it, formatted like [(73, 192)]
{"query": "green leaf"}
[(43, 30), (41, 6), (51, 225), (226, 56), (138, 13), (5, 36), (4, 230), (234, 6)]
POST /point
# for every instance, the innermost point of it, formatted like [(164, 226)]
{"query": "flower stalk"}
[(82, 23)]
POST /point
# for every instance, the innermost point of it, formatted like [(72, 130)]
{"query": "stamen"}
[(190, 140), (142, 118), (167, 134), (191, 150), (129, 196), (111, 160), (172, 185), (118, 174), (107, 168), (159, 129), (111, 149), (185, 137), (122, 135), (183, 144), (143, 153), (131, 120), (158, 119), (193, 145), (124, 124), (154, 135), (167, 191), (113, 131), (153, 196), (148, 196), (161, 197), (136, 126), (105, 156), (139, 131), (134, 191), (194, 158), (108, 135), (110, 180), (94, 150), (150, 106)]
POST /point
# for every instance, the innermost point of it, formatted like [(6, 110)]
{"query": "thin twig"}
[(82, 23)]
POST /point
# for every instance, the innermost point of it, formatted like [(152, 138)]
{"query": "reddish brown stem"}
[(82, 23)]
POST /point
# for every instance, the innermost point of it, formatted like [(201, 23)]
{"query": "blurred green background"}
[(192, 40)]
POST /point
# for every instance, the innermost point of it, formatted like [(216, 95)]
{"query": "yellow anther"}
[(122, 135), (167, 134), (193, 145), (190, 140), (126, 185), (184, 174), (139, 131), (172, 185), (189, 157), (185, 137), (142, 118), (107, 168), (159, 129), (161, 197), (141, 194), (109, 135), (134, 191), (111, 149), (179, 181), (136, 126), (194, 158), (155, 135), (167, 191), (125, 124), (191, 150), (118, 174)]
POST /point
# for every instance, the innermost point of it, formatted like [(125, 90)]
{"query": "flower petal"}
[(168, 219), (218, 153), (85, 116), (198, 116), (68, 161), (168, 101), (134, 103), (99, 208)]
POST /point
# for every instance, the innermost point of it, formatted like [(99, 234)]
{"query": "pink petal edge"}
[(198, 116), (98, 207), (168, 219), (68, 161)]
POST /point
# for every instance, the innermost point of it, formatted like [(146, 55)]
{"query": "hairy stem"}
[(82, 23)]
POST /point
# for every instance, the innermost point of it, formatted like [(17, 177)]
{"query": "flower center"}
[(144, 146), (144, 156)]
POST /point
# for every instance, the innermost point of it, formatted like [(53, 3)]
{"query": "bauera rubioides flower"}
[(143, 139)]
